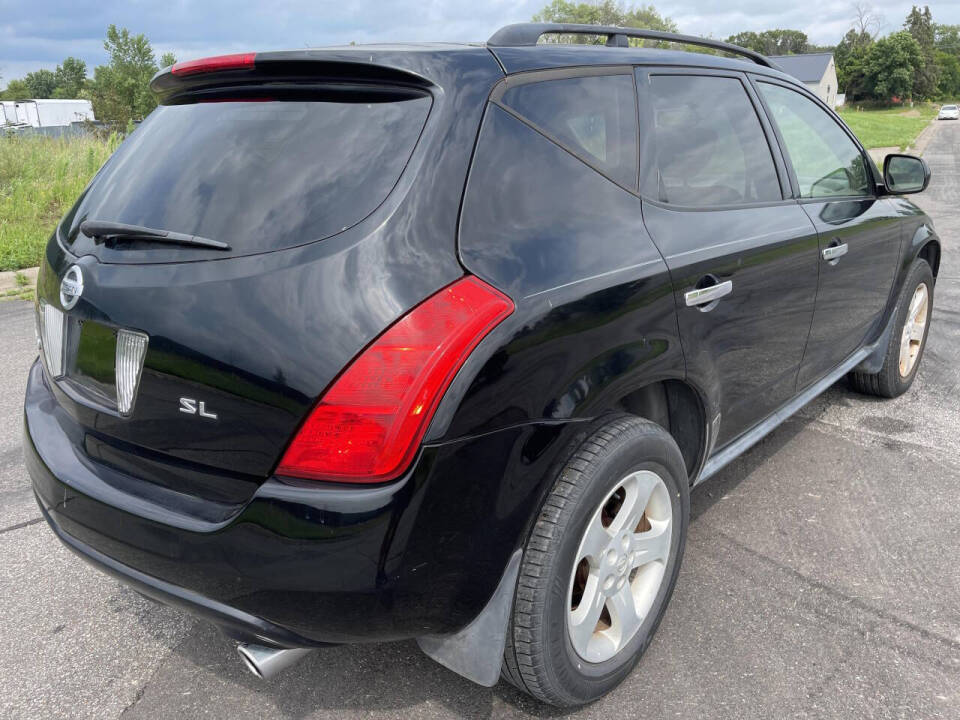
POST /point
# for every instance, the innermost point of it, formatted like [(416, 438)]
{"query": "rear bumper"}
[(235, 622), (308, 565)]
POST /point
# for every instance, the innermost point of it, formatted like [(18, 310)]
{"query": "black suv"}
[(433, 341)]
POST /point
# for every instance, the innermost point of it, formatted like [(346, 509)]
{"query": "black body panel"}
[(853, 290), (747, 348)]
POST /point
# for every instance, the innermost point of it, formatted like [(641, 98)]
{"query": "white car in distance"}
[(949, 112)]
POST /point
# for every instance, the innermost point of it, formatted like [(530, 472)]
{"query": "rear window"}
[(593, 116), (258, 175)]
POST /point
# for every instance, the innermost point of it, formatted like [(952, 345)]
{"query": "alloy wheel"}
[(620, 565), (913, 329)]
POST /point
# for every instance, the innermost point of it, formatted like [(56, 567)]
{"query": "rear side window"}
[(258, 175), (826, 161), (706, 144), (593, 116)]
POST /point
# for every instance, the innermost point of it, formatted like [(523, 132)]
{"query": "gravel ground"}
[(821, 579)]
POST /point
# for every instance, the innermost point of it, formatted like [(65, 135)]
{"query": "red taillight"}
[(369, 423), (238, 61)]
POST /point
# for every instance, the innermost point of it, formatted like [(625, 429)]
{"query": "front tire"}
[(908, 340), (600, 565)]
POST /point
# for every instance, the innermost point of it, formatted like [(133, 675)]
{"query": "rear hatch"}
[(259, 166), (191, 366)]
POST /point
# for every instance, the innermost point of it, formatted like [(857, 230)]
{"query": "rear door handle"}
[(702, 296), (834, 252)]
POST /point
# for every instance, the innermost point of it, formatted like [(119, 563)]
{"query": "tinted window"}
[(594, 116), (257, 175), (706, 144), (826, 161)]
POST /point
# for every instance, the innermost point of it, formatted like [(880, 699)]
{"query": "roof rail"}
[(526, 34)]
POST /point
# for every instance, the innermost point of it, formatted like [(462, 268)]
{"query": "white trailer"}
[(47, 113)]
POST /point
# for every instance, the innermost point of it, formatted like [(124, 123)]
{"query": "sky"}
[(40, 33)]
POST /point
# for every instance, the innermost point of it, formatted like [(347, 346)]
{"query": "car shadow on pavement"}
[(384, 679), (387, 679), (705, 496)]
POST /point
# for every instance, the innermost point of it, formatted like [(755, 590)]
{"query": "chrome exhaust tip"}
[(265, 662)]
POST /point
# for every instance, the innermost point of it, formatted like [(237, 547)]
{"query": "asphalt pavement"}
[(821, 578)]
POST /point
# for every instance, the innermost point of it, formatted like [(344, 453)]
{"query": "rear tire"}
[(907, 341), (629, 469)]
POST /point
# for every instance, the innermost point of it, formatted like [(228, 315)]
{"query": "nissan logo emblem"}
[(71, 287)]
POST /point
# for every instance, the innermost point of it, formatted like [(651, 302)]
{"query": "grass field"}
[(889, 127), (40, 178)]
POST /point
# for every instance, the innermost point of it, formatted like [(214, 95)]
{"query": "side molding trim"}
[(750, 438), (476, 651)]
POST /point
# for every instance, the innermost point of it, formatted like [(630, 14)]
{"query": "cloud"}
[(35, 35), (824, 22)]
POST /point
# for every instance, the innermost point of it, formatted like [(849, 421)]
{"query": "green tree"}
[(947, 39), (747, 39), (167, 59), (605, 12), (892, 64), (947, 43), (70, 77), (850, 57), (949, 85), (120, 89), (42, 83), (16, 90), (919, 24), (773, 42)]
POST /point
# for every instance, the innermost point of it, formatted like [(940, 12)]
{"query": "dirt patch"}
[(910, 113)]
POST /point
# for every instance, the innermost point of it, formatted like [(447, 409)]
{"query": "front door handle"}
[(834, 252), (704, 296)]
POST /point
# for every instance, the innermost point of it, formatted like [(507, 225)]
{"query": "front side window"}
[(826, 161), (593, 116), (706, 146)]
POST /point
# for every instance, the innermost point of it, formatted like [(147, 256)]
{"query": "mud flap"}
[(874, 361), (476, 652)]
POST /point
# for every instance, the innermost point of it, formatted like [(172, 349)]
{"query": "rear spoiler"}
[(287, 68)]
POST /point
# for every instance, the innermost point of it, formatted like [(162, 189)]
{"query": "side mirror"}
[(905, 174)]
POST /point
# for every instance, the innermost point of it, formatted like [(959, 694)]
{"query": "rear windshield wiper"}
[(103, 230)]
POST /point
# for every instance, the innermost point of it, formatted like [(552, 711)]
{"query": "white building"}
[(815, 70)]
